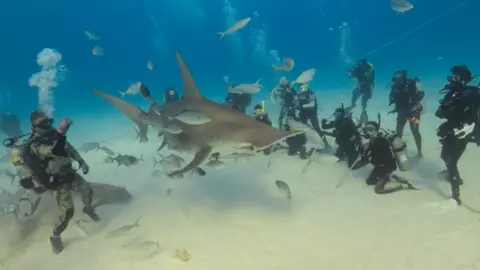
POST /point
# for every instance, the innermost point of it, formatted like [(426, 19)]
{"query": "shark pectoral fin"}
[(199, 158), (132, 112)]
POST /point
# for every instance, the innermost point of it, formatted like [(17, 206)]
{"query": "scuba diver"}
[(364, 73), (460, 107), (260, 115), (408, 101), (47, 157), (379, 153), (286, 93), (170, 95), (238, 102), (308, 111), (10, 124), (296, 144), (346, 131)]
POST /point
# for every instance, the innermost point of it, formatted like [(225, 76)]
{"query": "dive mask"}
[(370, 131), (45, 123), (259, 109), (453, 78)]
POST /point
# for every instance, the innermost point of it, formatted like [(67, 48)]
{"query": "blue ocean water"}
[(311, 32)]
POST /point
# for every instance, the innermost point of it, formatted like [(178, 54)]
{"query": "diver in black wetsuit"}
[(408, 101), (308, 110), (379, 153), (238, 102), (286, 93), (296, 144), (461, 109), (10, 124), (364, 73), (346, 131), (170, 95)]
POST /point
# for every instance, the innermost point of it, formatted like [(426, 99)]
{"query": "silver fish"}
[(285, 189), (123, 229), (247, 88), (192, 118), (89, 146), (107, 150), (143, 245)]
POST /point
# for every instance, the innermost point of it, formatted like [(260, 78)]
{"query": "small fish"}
[(133, 89), (245, 88), (285, 189), (107, 150), (97, 51), (150, 65), (169, 191), (173, 158), (91, 35), (215, 164), (400, 6), (192, 118), (305, 77), (143, 245), (123, 229), (144, 91), (126, 160), (172, 128), (89, 146), (235, 27), (286, 66)]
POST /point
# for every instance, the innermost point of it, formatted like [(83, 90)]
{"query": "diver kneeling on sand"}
[(384, 152), (48, 159), (296, 144), (346, 131)]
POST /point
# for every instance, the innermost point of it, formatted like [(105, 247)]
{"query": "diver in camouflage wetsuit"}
[(48, 158)]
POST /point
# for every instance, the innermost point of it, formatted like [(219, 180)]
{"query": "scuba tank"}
[(399, 148)]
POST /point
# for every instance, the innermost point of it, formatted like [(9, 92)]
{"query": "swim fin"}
[(57, 244)]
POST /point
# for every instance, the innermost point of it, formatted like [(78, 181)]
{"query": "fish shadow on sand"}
[(230, 190)]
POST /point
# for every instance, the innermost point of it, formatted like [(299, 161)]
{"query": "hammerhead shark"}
[(228, 132)]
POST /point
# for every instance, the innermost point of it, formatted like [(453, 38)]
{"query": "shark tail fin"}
[(132, 112)]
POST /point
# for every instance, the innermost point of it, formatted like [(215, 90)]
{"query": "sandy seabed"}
[(235, 218)]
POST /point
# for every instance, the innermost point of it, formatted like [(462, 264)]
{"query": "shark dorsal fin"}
[(190, 90)]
